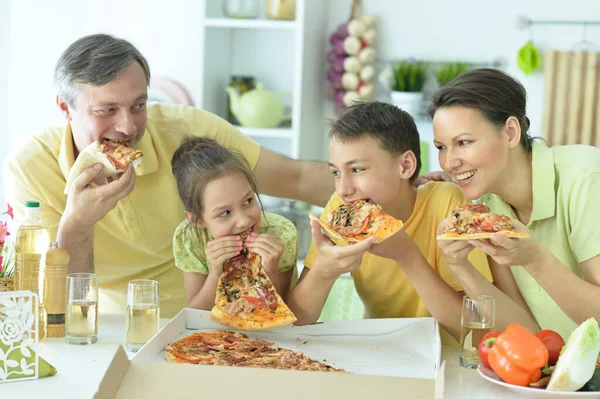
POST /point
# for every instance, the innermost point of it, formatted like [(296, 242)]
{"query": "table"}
[(80, 369)]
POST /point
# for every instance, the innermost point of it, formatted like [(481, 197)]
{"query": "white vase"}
[(411, 102)]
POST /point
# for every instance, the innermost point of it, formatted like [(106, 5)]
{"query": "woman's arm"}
[(578, 298), (201, 289)]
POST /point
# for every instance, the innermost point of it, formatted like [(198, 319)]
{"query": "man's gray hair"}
[(94, 60)]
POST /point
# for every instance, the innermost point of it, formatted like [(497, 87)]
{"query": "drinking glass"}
[(477, 319), (142, 313), (81, 324)]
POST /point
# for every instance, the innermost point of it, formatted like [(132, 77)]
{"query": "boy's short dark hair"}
[(394, 128)]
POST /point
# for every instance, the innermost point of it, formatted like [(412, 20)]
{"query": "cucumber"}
[(594, 383)]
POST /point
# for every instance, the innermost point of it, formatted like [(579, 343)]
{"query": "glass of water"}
[(142, 313), (81, 324), (478, 318)]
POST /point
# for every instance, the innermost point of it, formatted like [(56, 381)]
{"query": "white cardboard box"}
[(396, 356)]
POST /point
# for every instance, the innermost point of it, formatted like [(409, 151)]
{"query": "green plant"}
[(450, 70), (409, 75)]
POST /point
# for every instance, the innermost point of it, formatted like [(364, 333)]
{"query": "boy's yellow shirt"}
[(381, 283)]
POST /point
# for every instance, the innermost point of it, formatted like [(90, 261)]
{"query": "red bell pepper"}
[(483, 350), (518, 355)]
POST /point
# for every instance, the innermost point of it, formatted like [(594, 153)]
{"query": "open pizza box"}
[(385, 358)]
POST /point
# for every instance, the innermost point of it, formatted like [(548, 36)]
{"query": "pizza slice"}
[(114, 156), (246, 298), (475, 221), (357, 221), (228, 348)]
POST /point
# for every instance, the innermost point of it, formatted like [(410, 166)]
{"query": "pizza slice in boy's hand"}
[(114, 156), (358, 221), (246, 298), (475, 221)]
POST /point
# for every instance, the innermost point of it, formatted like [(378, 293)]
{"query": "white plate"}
[(491, 376)]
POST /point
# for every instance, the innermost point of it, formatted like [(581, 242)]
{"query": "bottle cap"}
[(31, 204)]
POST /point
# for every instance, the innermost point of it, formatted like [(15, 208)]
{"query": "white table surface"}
[(80, 369)]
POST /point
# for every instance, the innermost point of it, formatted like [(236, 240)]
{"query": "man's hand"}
[(396, 247), (220, 250), (334, 260), (432, 176), (86, 205)]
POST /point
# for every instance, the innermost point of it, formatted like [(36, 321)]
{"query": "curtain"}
[(572, 98)]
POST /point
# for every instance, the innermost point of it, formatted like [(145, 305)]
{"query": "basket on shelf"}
[(6, 284)]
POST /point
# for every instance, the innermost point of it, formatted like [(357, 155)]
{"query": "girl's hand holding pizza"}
[(455, 252), (511, 251), (220, 250), (269, 249), (337, 259)]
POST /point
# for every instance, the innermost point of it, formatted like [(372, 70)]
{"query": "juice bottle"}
[(31, 245)]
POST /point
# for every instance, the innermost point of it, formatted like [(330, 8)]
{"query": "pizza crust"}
[(391, 227), (451, 236), (91, 155), (239, 323)]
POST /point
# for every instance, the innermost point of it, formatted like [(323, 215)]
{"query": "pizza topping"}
[(120, 155), (476, 218), (240, 305), (215, 348), (353, 219)]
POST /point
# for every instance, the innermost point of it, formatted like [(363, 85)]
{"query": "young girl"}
[(219, 193)]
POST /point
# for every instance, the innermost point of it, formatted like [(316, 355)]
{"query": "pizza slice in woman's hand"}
[(114, 156), (357, 221), (475, 221)]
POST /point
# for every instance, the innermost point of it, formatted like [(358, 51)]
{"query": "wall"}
[(433, 29), (4, 41), (472, 30)]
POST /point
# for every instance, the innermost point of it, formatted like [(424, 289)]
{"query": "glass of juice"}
[(81, 324), (142, 313), (477, 319)]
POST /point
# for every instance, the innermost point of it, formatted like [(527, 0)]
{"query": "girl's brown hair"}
[(495, 94), (197, 162)]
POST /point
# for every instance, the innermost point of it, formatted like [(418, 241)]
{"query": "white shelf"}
[(249, 23), (285, 133)]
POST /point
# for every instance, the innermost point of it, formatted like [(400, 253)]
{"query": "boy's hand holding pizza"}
[(334, 260)]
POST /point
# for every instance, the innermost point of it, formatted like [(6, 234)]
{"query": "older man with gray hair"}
[(122, 227)]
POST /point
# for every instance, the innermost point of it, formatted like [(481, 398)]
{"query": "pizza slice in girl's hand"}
[(475, 221), (359, 220), (114, 156), (246, 298)]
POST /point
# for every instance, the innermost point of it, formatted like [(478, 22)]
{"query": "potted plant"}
[(406, 84), (447, 71)]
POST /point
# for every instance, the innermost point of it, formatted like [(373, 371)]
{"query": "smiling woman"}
[(480, 129)]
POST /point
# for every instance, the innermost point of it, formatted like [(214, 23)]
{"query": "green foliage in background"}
[(446, 72), (409, 75)]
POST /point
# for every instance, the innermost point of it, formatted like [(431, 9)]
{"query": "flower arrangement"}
[(6, 252)]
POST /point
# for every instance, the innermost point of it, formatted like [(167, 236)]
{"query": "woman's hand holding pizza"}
[(456, 252), (334, 260), (221, 249), (270, 251), (511, 251)]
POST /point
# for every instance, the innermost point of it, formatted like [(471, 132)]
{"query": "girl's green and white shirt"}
[(270, 223)]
